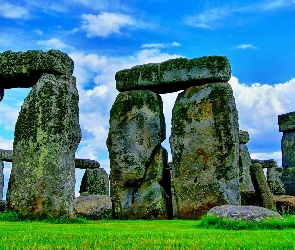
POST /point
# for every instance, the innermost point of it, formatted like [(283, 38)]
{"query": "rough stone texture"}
[(261, 187), (250, 198), (95, 182), (137, 128), (205, 149), (86, 164), (1, 179), (286, 122), (244, 137), (93, 207), (285, 203), (46, 136), (265, 163), (6, 155), (246, 213), (275, 180), (24, 69), (2, 206), (175, 74)]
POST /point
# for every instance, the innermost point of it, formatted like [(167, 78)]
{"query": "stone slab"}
[(244, 137), (286, 121), (24, 69), (85, 164), (6, 155), (175, 74), (266, 163)]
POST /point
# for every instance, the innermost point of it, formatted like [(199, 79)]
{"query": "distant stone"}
[(24, 69), (286, 122), (174, 75), (86, 164), (246, 213), (46, 136), (93, 207), (1, 179), (285, 203), (6, 155), (205, 149), (95, 181), (244, 137), (266, 163), (275, 180)]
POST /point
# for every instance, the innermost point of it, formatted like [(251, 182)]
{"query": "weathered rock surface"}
[(265, 163), (244, 162), (246, 213), (24, 69), (175, 74), (95, 182), (93, 207), (46, 136), (1, 179), (86, 164), (261, 187), (137, 128), (275, 180), (6, 155), (286, 122), (285, 203), (205, 149)]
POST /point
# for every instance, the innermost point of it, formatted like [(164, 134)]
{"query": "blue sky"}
[(103, 37)]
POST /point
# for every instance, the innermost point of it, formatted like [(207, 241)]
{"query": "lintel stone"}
[(265, 163), (6, 155), (85, 163), (286, 121), (174, 75)]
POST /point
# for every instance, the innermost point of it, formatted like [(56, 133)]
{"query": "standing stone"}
[(137, 160), (261, 187), (275, 181), (287, 126), (205, 149), (95, 181), (244, 162), (46, 136), (1, 179)]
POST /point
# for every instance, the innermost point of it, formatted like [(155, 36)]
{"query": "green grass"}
[(144, 234)]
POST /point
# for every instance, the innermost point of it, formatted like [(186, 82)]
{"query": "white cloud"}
[(106, 23), (12, 11), (275, 4), (39, 32), (55, 43), (6, 144), (245, 46), (159, 45)]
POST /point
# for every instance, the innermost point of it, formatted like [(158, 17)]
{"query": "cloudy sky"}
[(105, 36)]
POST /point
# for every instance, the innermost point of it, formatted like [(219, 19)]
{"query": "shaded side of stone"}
[(6, 155), (205, 149), (1, 179), (3, 206), (261, 187), (86, 164), (275, 180), (250, 198), (286, 122), (288, 177), (24, 69), (95, 182), (245, 163), (285, 204), (175, 74), (1, 94), (46, 136), (265, 163)]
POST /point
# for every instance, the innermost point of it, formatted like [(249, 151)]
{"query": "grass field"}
[(140, 234)]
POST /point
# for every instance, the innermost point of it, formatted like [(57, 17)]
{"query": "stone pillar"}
[(244, 162), (205, 149), (287, 126), (275, 181), (1, 179), (95, 181), (47, 134), (137, 160)]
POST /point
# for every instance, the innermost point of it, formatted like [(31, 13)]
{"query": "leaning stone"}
[(245, 213), (95, 182), (47, 134), (174, 75), (205, 149), (6, 155), (285, 203), (23, 69), (275, 180), (286, 122), (93, 207), (261, 187), (243, 137), (1, 179), (265, 163), (86, 164)]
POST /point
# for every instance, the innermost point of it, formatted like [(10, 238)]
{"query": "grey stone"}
[(288, 177), (47, 134), (175, 74), (246, 213), (95, 182), (243, 137), (93, 207), (261, 187), (245, 163), (24, 69), (86, 164), (205, 149), (285, 204), (275, 180), (1, 179), (286, 122), (137, 128), (6, 155), (265, 163)]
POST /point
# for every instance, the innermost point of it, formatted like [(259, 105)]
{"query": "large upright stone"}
[(275, 180), (205, 149), (175, 74), (95, 181), (287, 126), (46, 136), (244, 162), (137, 160)]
